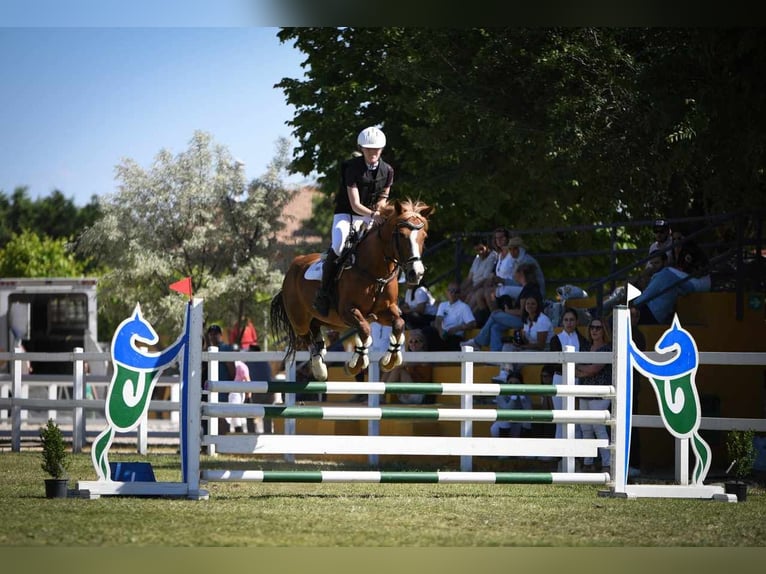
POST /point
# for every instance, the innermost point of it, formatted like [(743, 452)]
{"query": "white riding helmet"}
[(371, 137)]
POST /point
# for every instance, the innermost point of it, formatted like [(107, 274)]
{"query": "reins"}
[(392, 259)]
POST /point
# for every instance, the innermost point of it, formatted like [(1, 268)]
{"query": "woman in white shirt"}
[(569, 336)]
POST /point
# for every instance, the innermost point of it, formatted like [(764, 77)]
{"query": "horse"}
[(366, 290)]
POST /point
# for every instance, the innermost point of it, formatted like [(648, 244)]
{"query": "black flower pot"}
[(736, 487), (56, 487)]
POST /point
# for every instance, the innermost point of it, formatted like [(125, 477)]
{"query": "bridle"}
[(394, 258)]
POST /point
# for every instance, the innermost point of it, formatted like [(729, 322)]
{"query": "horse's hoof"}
[(318, 368)]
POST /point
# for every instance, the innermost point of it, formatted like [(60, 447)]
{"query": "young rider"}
[(365, 184)]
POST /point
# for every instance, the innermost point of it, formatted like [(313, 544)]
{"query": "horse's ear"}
[(427, 211)]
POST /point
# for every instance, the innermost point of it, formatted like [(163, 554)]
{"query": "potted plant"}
[(55, 460), (741, 452)]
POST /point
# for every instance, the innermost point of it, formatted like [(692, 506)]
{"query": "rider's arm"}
[(356, 205)]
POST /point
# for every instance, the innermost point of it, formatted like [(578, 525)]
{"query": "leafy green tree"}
[(543, 127), (190, 214), (54, 216), (30, 255)]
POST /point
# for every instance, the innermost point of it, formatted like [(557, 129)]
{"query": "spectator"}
[(505, 273), (245, 338), (261, 371), (657, 302), (453, 318), (241, 374), (484, 296), (225, 368), (520, 402), (640, 281), (482, 269), (419, 307), (568, 336), (596, 374), (509, 316), (662, 240), (412, 372), (535, 334)]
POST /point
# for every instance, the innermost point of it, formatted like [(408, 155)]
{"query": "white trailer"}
[(48, 315)]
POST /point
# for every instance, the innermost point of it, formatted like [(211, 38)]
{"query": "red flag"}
[(183, 286)]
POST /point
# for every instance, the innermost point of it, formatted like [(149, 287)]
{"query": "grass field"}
[(362, 515)]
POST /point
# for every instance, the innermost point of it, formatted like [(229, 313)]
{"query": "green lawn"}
[(362, 515)]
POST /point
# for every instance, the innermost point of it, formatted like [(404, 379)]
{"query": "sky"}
[(79, 96)]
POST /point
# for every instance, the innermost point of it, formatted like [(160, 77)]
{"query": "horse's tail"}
[(281, 326)]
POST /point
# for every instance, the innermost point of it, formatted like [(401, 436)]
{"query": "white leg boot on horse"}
[(393, 355), (360, 360), (318, 366), (323, 299)]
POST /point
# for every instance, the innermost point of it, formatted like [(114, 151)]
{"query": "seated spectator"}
[(482, 269), (640, 281), (657, 302), (419, 307), (483, 299), (506, 284), (453, 318), (535, 334), (662, 240), (509, 316), (511, 402), (409, 372), (596, 374)]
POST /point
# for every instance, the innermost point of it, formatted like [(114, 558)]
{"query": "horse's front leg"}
[(360, 358), (393, 355)]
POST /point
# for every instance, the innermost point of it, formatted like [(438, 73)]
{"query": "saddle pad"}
[(314, 271)]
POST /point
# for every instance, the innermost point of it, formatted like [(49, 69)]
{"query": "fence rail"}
[(74, 395)]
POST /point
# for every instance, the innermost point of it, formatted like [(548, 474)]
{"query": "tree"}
[(190, 214), (54, 216), (547, 126), (30, 255)]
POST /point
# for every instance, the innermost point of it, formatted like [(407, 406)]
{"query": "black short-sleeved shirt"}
[(370, 183)]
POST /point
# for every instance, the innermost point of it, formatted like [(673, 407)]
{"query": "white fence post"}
[(568, 375), (16, 368), (78, 422), (466, 402)]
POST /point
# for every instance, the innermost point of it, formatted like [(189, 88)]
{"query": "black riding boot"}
[(323, 298)]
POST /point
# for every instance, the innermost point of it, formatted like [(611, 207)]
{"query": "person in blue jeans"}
[(509, 316), (657, 302)]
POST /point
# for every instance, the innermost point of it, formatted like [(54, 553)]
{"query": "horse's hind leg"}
[(318, 366), (393, 355)]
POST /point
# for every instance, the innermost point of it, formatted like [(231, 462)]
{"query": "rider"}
[(365, 184)]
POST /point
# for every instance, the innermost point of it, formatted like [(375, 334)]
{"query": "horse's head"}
[(407, 223)]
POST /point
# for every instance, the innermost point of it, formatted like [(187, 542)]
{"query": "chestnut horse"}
[(368, 290)]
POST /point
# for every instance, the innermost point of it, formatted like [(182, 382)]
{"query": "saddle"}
[(345, 260)]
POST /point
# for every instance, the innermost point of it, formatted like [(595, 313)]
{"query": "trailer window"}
[(67, 314)]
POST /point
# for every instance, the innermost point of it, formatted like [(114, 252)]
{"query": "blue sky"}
[(78, 98)]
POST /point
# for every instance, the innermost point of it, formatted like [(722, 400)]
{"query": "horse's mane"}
[(405, 207)]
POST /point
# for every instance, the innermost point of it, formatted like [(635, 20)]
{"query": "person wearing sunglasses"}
[(596, 374)]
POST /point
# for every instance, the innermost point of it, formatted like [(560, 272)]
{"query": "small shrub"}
[(742, 453), (55, 456)]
